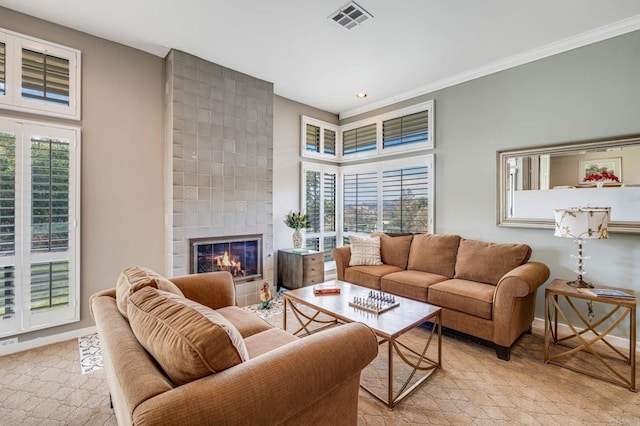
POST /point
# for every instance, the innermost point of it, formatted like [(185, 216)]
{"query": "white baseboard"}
[(46, 340), (564, 330)]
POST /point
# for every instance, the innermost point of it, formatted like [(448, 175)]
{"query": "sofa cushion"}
[(265, 342), (434, 253), (471, 297), (364, 250), (247, 323), (134, 278), (187, 339), (368, 276), (411, 284), (488, 262), (394, 250)]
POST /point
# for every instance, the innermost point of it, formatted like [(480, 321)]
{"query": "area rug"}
[(90, 353), (275, 309)]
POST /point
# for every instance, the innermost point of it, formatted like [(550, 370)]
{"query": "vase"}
[(297, 239), (599, 184)]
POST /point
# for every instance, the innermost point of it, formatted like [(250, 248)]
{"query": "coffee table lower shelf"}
[(421, 367)]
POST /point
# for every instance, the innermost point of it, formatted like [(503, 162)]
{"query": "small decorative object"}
[(266, 298), (601, 177), (582, 223), (296, 221)]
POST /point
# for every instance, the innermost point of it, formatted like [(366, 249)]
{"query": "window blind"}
[(329, 141), (45, 78), (49, 194), (329, 199), (359, 139), (329, 244), (313, 200), (405, 130), (7, 292), (313, 138), (360, 205), (7, 194), (49, 285), (3, 69), (405, 199)]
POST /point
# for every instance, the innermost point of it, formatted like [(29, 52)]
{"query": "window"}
[(3, 69), (318, 138), (360, 202), (39, 77), (389, 196), (360, 139), (319, 201), (39, 226), (401, 131), (405, 199), (405, 130), (375, 195)]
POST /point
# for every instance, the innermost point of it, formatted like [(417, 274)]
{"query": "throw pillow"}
[(364, 251), (135, 278), (434, 253), (394, 250), (488, 262), (187, 339)]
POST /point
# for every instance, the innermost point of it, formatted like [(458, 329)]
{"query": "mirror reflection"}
[(534, 182)]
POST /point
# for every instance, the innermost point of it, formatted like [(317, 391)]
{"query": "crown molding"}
[(583, 39)]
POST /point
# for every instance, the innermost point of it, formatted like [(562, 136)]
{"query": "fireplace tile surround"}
[(218, 161)]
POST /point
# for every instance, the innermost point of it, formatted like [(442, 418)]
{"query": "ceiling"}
[(409, 47)]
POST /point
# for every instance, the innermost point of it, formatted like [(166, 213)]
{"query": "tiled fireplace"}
[(219, 168), (239, 255)]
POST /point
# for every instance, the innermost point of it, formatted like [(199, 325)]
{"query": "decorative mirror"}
[(533, 182)]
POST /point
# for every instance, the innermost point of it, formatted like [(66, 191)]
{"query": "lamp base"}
[(580, 283)]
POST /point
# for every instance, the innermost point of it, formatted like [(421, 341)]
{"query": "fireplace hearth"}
[(240, 255)]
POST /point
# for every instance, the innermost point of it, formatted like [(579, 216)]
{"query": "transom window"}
[(39, 77), (402, 131)]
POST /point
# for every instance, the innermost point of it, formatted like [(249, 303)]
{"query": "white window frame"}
[(323, 126), (322, 169), (379, 167), (24, 320), (378, 120), (13, 100)]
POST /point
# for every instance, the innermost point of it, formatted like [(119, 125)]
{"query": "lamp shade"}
[(582, 222)]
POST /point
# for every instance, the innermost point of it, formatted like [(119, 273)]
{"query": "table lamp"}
[(582, 223)]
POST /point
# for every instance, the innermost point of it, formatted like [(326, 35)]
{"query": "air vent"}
[(350, 15)]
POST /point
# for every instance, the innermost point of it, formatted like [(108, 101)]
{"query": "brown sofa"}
[(153, 370), (486, 290)]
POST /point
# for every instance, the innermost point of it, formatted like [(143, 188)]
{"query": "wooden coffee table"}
[(388, 326)]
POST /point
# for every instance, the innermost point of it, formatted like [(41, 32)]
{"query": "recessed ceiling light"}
[(361, 95)]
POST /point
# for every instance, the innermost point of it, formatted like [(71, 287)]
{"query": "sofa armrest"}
[(212, 289), (301, 382), (342, 256), (523, 280)]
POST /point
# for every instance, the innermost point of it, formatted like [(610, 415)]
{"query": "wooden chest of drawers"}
[(299, 268)]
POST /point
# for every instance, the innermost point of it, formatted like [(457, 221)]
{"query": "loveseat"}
[(183, 353), (486, 290)]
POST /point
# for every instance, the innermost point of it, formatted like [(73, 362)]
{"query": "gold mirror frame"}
[(503, 170)]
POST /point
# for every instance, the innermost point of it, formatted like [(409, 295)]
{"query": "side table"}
[(593, 332), (299, 267)]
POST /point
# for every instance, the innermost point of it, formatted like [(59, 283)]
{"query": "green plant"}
[(295, 220)]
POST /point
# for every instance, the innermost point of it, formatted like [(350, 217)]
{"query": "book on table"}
[(608, 292), (326, 288)]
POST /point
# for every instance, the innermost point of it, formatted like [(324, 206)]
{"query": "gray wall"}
[(287, 159), (587, 93), (122, 188)]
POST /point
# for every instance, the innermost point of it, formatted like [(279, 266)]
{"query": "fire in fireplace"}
[(240, 255)]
